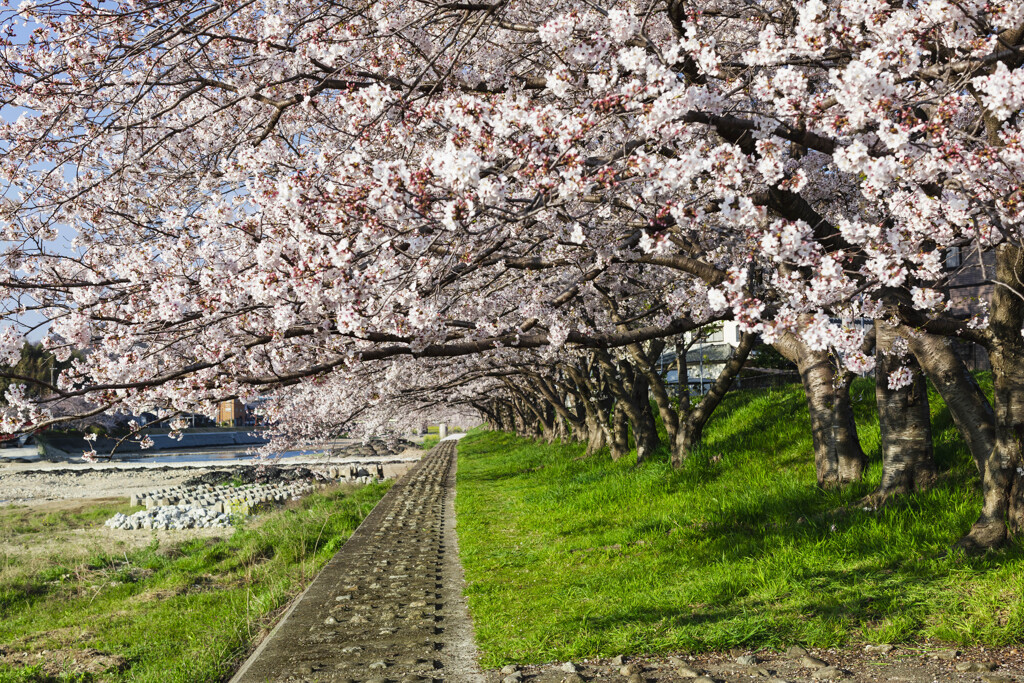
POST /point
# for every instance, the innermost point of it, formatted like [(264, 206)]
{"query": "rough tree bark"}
[(692, 422), (619, 443), (850, 456), (508, 417), (904, 419), (645, 427), (972, 413), (1002, 510), (838, 457), (597, 435)]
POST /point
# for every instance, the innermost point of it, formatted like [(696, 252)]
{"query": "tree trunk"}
[(645, 428), (520, 422), (619, 444), (504, 417), (1002, 510), (645, 365), (546, 419), (849, 455), (510, 417), (596, 433), (904, 420), (972, 413), (691, 422), (560, 431), (816, 374), (838, 457), (547, 422)]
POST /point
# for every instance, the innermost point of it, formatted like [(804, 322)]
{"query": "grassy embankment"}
[(165, 612), (567, 557)]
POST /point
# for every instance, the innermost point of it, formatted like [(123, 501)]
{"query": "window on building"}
[(716, 336), (953, 258)]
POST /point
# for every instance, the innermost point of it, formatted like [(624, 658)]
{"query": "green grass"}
[(568, 557), (184, 612), (25, 520), (429, 441)]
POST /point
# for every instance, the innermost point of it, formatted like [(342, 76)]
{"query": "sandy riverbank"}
[(35, 486), (42, 482)]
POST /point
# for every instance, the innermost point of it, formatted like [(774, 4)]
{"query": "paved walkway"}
[(388, 607)]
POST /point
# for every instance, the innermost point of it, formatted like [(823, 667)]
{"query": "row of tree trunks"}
[(908, 464), (631, 392), (604, 400)]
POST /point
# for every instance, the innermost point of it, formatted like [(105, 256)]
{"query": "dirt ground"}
[(55, 662), (909, 664), (34, 486)]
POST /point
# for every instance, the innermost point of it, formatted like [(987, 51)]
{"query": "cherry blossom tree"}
[(290, 199)]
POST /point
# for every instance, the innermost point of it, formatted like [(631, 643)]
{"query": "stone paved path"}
[(388, 607), (873, 664)]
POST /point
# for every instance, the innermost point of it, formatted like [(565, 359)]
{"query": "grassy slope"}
[(182, 613), (568, 557)]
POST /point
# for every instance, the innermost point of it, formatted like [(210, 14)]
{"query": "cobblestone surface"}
[(387, 607), (870, 664)]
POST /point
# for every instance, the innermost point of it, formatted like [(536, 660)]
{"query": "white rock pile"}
[(223, 499), (207, 505), (203, 506), (170, 517)]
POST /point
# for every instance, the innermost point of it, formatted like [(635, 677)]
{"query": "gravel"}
[(31, 486)]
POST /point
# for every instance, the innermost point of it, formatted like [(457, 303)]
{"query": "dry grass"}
[(70, 533)]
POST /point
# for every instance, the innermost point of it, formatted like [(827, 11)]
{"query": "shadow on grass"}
[(21, 595), (737, 547)]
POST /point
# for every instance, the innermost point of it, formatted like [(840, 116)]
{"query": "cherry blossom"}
[(291, 201)]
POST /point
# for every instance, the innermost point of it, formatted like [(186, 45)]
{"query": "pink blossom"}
[(900, 378)]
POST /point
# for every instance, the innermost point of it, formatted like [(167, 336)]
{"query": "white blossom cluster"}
[(328, 205)]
